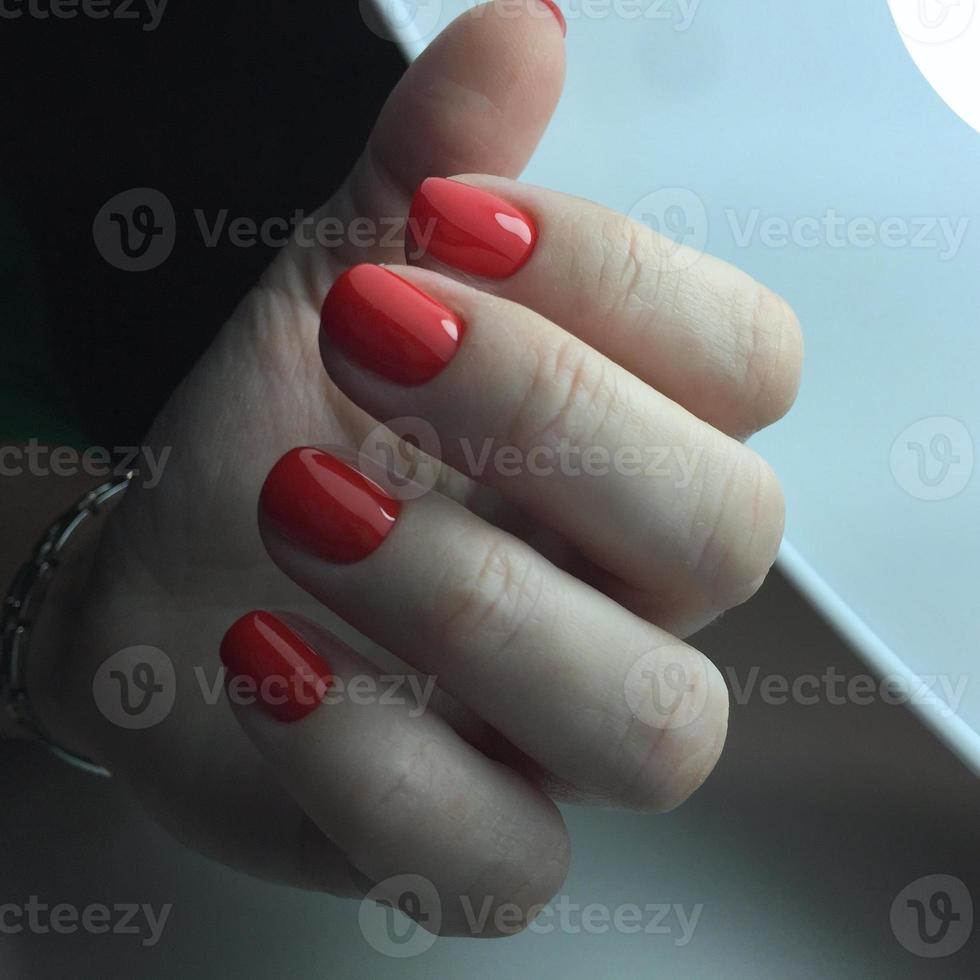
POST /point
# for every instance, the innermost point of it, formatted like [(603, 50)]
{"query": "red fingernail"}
[(288, 679), (556, 10), (326, 507), (469, 229), (389, 326)]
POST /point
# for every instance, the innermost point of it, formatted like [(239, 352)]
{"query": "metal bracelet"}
[(21, 608)]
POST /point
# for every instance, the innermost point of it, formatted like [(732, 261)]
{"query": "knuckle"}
[(571, 397), (488, 592), (742, 515), (634, 272), (772, 355), (624, 256)]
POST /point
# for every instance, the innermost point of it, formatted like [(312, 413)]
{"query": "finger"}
[(478, 98), (577, 683), (647, 491), (389, 783), (700, 331)]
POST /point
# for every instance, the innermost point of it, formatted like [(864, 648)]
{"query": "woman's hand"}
[(589, 387)]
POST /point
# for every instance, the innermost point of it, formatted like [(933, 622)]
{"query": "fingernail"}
[(286, 678), (389, 326), (469, 229), (560, 17), (326, 507)]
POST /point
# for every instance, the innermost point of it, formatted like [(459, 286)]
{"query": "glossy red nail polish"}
[(326, 507), (389, 326), (289, 679), (469, 229), (560, 17)]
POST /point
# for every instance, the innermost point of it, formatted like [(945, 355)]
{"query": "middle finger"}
[(646, 490)]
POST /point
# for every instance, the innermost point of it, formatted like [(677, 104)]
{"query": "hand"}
[(546, 604)]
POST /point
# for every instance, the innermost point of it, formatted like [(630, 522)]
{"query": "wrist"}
[(56, 641), (54, 545)]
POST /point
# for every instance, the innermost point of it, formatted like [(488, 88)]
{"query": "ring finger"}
[(604, 701)]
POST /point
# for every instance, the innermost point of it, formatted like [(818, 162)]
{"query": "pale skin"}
[(530, 598)]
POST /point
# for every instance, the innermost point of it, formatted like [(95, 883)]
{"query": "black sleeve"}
[(247, 108)]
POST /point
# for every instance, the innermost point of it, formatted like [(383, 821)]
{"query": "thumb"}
[(476, 101)]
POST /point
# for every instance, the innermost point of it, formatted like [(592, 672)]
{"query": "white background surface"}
[(804, 115), (943, 37)]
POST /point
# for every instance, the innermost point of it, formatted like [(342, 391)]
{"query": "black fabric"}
[(254, 108)]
